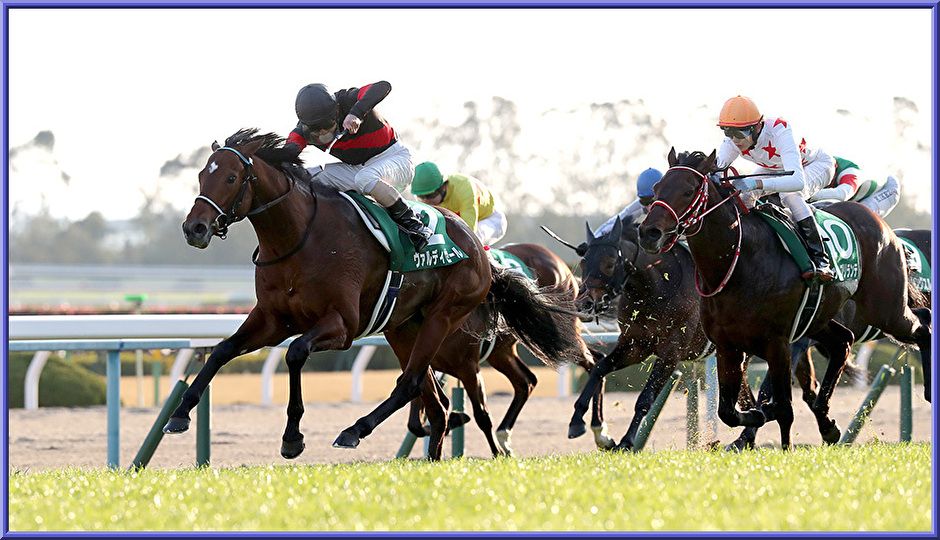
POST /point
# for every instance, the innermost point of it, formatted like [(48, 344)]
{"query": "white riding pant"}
[(394, 166), (883, 201), (492, 228)]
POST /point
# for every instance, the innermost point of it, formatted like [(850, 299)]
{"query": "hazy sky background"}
[(124, 91)]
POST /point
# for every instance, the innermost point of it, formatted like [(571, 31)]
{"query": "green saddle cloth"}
[(441, 250), (505, 259), (839, 240), (919, 265)]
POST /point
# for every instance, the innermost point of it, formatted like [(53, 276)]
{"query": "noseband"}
[(224, 219)]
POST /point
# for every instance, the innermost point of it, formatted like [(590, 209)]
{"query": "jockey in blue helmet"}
[(638, 208)]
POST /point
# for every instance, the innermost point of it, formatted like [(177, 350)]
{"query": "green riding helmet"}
[(428, 179)]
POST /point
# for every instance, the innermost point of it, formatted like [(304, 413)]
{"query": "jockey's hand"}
[(351, 123), (747, 184), (581, 250)]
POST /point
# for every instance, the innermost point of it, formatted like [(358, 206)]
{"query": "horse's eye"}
[(231, 179)]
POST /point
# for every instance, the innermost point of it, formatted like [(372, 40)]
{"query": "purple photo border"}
[(254, 4)]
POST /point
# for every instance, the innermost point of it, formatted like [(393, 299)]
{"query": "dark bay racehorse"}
[(658, 314), (801, 360), (751, 311), (319, 273), (460, 355)]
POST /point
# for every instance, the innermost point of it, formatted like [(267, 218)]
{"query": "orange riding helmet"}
[(739, 111)]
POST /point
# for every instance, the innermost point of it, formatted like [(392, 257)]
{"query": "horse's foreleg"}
[(805, 373), (746, 401), (257, 331), (730, 378), (328, 334), (523, 383), (426, 345), (473, 384), (777, 355), (436, 405), (604, 367), (662, 368)]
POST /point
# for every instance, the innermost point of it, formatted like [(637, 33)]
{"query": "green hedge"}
[(61, 384)]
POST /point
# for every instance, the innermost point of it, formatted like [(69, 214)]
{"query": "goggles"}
[(739, 132)]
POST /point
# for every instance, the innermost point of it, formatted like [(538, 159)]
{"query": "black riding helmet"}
[(316, 107)]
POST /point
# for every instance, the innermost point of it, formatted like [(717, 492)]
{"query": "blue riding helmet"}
[(646, 181)]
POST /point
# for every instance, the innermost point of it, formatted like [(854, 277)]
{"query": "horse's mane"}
[(691, 159), (272, 149)]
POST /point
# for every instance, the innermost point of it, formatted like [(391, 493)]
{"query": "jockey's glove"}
[(745, 184)]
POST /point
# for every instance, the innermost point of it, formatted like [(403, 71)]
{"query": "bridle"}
[(224, 219), (693, 215), (614, 285)]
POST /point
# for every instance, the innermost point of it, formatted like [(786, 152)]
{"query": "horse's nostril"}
[(200, 229), (653, 234)]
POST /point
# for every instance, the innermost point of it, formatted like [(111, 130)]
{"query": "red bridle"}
[(695, 214)]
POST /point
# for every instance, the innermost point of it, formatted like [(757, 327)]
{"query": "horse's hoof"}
[(739, 445), (176, 425), (602, 438), (576, 430), (292, 449), (623, 446), (456, 419), (832, 434), (347, 439), (504, 441)]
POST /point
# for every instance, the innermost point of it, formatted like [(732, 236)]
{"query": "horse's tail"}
[(544, 321)]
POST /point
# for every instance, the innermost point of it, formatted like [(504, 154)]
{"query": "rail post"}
[(858, 421)]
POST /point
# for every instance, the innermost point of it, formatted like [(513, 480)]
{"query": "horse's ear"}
[(671, 158), (215, 145), (590, 233), (708, 165), (252, 147), (616, 230)]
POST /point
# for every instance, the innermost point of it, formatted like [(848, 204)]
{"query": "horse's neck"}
[(280, 227)]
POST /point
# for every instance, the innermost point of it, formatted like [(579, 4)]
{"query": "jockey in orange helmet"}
[(771, 145)]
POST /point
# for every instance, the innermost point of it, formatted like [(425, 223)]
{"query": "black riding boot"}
[(404, 216), (814, 248)]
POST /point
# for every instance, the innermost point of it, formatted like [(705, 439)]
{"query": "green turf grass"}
[(869, 487)]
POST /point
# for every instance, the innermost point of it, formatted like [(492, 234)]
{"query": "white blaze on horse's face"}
[(213, 167)]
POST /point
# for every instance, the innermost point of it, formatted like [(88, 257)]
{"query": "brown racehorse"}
[(319, 273), (801, 361), (751, 311), (460, 356)]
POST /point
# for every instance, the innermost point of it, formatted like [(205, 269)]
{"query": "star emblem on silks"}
[(780, 121), (771, 151)]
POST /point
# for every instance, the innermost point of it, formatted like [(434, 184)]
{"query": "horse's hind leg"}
[(435, 405), (805, 373), (915, 328), (430, 335), (507, 362), (473, 383), (415, 426), (834, 341)]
